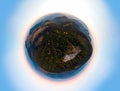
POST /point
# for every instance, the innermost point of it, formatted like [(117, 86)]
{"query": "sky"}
[(102, 19)]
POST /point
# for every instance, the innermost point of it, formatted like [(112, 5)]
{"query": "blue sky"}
[(112, 83), (7, 9)]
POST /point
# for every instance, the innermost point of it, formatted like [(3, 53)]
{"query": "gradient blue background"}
[(8, 7)]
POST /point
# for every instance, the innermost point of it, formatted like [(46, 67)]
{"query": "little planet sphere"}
[(58, 45)]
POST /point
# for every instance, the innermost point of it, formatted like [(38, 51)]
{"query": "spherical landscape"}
[(58, 45)]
